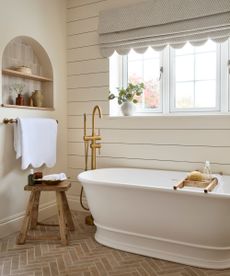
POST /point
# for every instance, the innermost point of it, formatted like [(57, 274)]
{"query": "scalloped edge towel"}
[(35, 141)]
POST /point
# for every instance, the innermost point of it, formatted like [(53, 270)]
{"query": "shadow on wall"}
[(8, 160)]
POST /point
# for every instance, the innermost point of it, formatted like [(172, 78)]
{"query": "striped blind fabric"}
[(158, 23)]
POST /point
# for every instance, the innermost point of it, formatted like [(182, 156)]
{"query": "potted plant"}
[(18, 88), (128, 97)]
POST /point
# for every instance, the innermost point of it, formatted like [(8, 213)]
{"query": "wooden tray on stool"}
[(208, 186)]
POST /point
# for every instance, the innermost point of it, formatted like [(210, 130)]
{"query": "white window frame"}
[(226, 76), (167, 93), (173, 108)]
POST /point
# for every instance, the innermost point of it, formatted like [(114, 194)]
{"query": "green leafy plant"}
[(129, 94)]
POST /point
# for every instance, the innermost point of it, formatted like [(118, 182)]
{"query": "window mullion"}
[(194, 79), (228, 74), (143, 95), (165, 81), (124, 72), (222, 77), (171, 81)]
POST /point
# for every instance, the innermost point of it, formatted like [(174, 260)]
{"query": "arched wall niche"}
[(27, 52)]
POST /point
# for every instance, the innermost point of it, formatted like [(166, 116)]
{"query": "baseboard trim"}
[(13, 223), (74, 202)]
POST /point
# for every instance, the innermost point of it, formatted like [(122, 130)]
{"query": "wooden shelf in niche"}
[(14, 73), (28, 107), (23, 51)]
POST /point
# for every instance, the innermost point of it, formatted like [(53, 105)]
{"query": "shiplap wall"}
[(177, 143)]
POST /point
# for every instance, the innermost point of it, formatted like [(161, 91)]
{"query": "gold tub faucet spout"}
[(93, 138), (96, 107)]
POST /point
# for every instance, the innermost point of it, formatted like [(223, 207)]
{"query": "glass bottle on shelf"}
[(20, 100)]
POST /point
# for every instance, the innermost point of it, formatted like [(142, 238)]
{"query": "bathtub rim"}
[(84, 181)]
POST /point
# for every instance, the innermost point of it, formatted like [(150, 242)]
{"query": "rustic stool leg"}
[(27, 220), (67, 211), (34, 218), (61, 218)]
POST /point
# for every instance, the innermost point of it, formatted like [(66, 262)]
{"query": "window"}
[(195, 81), (146, 68), (189, 79)]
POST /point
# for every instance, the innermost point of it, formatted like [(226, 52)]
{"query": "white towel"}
[(35, 141), (54, 177)]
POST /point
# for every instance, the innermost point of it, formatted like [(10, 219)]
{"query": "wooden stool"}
[(31, 217)]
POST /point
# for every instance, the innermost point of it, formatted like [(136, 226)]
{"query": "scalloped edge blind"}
[(158, 23)]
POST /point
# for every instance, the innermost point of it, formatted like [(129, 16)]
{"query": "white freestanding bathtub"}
[(138, 211)]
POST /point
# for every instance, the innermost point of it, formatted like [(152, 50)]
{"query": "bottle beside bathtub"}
[(207, 173)]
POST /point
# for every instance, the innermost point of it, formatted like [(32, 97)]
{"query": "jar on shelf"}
[(37, 98)]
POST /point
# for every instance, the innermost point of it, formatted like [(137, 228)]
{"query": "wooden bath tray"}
[(207, 185)]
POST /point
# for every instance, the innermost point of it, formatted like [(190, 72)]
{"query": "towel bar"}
[(11, 121)]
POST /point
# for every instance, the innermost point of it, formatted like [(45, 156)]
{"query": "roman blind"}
[(158, 23)]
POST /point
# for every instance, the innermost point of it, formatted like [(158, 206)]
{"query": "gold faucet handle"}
[(91, 138), (95, 145)]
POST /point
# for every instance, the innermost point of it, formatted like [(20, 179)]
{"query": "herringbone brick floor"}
[(84, 256)]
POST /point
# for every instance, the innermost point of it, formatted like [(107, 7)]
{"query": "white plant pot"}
[(128, 108)]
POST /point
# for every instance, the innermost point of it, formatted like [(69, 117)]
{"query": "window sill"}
[(172, 115)]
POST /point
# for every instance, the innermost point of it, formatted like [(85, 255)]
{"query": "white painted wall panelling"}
[(175, 122), (88, 80), (78, 3), (82, 40), (112, 161), (203, 138), (166, 152), (82, 26), (88, 67), (80, 9), (87, 53), (88, 94), (78, 108), (177, 143)]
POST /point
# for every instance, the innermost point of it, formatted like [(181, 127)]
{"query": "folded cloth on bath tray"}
[(54, 177), (35, 141)]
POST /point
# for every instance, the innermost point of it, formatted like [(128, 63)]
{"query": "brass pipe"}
[(96, 107), (94, 146), (86, 144), (84, 124), (86, 149), (93, 138)]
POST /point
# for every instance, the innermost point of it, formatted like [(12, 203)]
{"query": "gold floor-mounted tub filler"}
[(94, 145)]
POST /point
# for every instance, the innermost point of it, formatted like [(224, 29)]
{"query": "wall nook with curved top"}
[(27, 75)]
